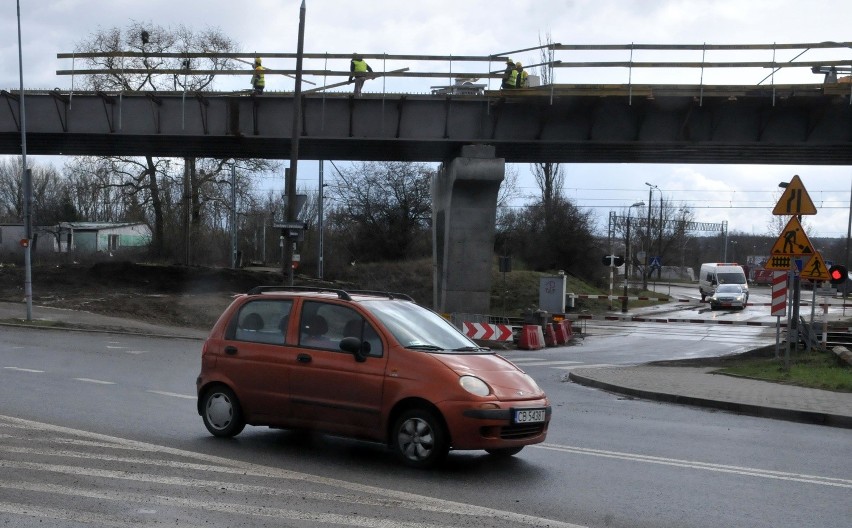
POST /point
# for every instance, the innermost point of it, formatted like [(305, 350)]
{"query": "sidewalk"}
[(61, 319), (684, 385), (700, 386)]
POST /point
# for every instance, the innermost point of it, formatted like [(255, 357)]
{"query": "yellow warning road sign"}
[(795, 200), (815, 269), (779, 263), (793, 241)]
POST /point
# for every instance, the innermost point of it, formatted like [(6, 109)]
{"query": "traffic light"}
[(837, 274)]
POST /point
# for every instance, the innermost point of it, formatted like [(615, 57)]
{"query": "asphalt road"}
[(123, 445)]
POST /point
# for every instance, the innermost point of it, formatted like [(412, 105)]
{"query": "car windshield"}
[(729, 288), (731, 278), (417, 328)]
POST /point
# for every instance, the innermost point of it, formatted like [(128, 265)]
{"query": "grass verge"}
[(815, 369)]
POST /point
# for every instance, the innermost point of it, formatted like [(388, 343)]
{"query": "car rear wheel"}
[(420, 439), (221, 412), (504, 452)]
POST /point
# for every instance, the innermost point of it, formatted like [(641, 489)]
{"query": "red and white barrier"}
[(532, 338), (487, 331)]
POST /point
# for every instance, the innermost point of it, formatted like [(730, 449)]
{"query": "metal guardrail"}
[(560, 57)]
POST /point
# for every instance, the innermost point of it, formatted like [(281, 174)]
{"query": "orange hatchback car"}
[(367, 365)]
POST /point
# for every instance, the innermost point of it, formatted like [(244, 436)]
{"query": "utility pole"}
[(234, 214), (26, 176), (320, 220), (289, 243)]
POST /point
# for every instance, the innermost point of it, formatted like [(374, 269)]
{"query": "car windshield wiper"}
[(424, 347), (469, 349)]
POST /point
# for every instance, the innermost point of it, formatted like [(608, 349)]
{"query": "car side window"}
[(263, 321), (324, 325)]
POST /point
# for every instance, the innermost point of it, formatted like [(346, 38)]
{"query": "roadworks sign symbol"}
[(815, 269), (795, 200), (793, 241)]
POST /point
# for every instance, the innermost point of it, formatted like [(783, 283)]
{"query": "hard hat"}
[(257, 60), (509, 60), (355, 56), (518, 65)]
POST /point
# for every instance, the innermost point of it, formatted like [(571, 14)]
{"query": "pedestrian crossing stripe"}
[(793, 241)]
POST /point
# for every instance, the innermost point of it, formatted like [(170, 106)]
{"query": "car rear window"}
[(262, 321)]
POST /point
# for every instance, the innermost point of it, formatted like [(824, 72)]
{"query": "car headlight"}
[(474, 385)]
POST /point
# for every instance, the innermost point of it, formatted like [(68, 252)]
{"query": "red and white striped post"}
[(778, 305)]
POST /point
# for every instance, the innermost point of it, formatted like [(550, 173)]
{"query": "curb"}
[(813, 417)]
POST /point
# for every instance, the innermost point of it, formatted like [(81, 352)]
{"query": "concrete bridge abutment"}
[(464, 197)]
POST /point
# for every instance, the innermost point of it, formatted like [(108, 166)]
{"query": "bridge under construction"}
[(467, 124)]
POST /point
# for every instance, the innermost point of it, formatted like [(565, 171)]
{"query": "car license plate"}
[(529, 415)]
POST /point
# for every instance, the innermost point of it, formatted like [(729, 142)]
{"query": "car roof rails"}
[(341, 294), (389, 295)]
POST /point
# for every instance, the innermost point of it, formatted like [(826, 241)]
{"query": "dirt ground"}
[(176, 295)]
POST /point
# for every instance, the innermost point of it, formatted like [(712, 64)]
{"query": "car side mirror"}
[(359, 349)]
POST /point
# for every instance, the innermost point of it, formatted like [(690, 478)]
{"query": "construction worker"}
[(510, 67), (358, 69), (521, 76), (258, 80)]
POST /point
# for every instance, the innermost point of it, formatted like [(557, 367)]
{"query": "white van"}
[(715, 273)]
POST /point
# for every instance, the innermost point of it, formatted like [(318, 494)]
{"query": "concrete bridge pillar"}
[(464, 212)]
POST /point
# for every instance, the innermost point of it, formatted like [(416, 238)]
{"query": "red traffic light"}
[(837, 274), (25, 242)]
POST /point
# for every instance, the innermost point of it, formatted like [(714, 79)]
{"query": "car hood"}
[(506, 380)]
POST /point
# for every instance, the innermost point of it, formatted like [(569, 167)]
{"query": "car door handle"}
[(231, 350), (303, 358)]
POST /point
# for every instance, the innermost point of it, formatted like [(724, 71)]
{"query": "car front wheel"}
[(221, 412), (419, 438)]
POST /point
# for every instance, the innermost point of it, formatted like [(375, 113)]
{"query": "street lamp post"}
[(648, 234), (627, 262)]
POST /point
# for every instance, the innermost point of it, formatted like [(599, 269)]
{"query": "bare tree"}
[(144, 181), (146, 39), (383, 209)]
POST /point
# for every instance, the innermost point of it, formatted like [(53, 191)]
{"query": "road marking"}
[(173, 394), (692, 464), (596, 365), (544, 363), (100, 382), (19, 369), (63, 515), (348, 492)]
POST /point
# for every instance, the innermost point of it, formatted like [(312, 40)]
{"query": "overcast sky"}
[(741, 195)]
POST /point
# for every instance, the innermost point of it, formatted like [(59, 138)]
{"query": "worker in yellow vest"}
[(258, 80), (521, 76), (512, 81), (358, 69)]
